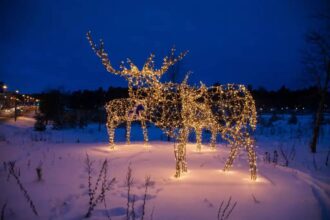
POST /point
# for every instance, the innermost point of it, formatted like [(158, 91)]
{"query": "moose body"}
[(178, 109)]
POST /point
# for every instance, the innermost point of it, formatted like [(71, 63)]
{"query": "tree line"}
[(303, 100), (72, 109), (84, 106)]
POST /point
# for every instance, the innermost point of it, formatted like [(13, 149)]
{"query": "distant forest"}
[(80, 107)]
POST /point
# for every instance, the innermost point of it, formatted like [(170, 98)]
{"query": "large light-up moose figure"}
[(178, 109)]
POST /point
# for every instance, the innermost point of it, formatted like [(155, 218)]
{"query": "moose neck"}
[(130, 90)]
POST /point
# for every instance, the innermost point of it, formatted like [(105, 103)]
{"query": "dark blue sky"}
[(43, 43)]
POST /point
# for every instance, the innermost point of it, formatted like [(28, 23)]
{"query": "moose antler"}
[(100, 52), (148, 69)]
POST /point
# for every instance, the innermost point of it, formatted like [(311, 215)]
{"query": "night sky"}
[(43, 43)]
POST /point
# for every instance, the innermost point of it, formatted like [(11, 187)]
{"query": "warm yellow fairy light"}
[(178, 109)]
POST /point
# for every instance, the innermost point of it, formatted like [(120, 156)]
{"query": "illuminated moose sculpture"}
[(179, 109)]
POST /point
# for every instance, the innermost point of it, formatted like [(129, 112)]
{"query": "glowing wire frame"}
[(178, 109)]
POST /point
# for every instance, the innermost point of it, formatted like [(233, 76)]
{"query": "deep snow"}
[(299, 191)]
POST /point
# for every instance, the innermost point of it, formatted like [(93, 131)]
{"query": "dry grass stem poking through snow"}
[(39, 172), (133, 214)]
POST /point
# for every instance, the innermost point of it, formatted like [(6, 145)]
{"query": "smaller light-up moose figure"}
[(178, 109)]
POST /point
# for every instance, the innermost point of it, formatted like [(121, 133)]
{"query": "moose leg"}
[(184, 149), (213, 138), (252, 161), (232, 155), (180, 153), (144, 130), (184, 156), (181, 165), (111, 132), (198, 131), (177, 162), (128, 131), (252, 158), (234, 139)]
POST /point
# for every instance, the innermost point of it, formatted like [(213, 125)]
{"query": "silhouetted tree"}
[(52, 106), (317, 62)]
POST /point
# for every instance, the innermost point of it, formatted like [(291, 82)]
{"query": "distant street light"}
[(4, 88), (15, 111)]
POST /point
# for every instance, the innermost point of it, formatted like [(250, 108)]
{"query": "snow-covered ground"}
[(299, 191)]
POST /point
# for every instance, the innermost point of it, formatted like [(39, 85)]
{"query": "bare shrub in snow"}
[(292, 154), (267, 157), (89, 165), (224, 213), (13, 172), (102, 185), (146, 185), (3, 209), (275, 158), (131, 199), (128, 183), (284, 155), (133, 214)]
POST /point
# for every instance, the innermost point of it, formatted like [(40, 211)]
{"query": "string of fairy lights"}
[(178, 109)]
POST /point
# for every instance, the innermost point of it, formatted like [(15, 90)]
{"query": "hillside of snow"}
[(293, 186)]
